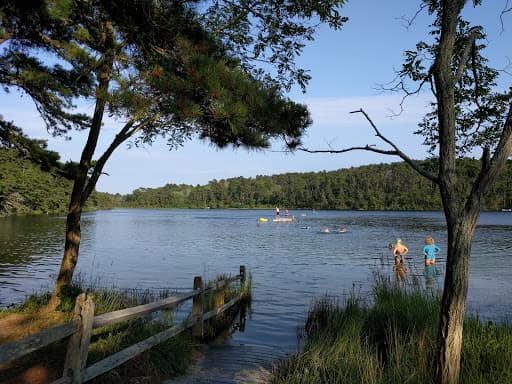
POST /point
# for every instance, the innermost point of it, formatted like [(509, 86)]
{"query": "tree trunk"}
[(83, 186), (453, 307), (72, 244)]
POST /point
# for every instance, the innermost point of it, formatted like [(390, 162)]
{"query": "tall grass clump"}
[(334, 351), (402, 325), (486, 352), (390, 340)]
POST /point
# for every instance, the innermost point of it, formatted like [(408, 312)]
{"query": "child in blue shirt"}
[(430, 250)]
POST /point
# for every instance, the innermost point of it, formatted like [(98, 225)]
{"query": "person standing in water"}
[(399, 251), (430, 250), (277, 212)]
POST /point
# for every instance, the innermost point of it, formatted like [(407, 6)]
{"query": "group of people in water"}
[(429, 251), (339, 230)]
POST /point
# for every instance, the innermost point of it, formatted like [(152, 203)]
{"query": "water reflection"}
[(401, 272), (430, 274)]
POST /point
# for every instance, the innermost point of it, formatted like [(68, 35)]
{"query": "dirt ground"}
[(40, 367)]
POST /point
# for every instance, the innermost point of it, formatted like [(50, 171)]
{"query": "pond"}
[(290, 263)]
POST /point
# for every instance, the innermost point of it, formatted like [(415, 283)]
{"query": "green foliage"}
[(68, 295), (283, 28), (480, 106), (374, 187), (42, 27), (487, 352), (32, 304), (27, 189)]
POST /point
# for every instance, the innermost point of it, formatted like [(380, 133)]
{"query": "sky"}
[(346, 68)]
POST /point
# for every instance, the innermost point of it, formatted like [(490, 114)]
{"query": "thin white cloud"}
[(382, 109)]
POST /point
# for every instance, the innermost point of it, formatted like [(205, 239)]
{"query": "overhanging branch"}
[(394, 152)]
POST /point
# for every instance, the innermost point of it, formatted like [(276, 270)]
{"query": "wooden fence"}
[(80, 328)]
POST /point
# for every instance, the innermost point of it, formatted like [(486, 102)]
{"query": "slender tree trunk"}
[(453, 307), (82, 186), (72, 244)]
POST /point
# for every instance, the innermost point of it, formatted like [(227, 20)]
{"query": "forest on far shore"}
[(32, 181)]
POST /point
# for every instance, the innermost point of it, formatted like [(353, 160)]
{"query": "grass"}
[(390, 341), (168, 359)]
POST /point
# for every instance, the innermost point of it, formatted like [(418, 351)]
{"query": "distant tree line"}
[(33, 180), (392, 186)]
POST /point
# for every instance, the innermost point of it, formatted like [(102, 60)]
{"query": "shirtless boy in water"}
[(399, 251)]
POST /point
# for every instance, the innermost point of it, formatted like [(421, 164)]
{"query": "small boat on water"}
[(262, 220)]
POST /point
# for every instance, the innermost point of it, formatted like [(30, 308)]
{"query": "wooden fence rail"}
[(80, 328)]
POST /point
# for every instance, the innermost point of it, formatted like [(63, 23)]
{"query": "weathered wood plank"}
[(140, 310), (17, 349), (62, 380), (12, 351), (216, 311), (126, 354)]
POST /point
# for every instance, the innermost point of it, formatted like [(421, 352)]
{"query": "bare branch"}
[(395, 152), (400, 86), (370, 148), (507, 8), (409, 22), (399, 153)]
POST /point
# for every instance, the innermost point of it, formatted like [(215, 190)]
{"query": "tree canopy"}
[(170, 68)]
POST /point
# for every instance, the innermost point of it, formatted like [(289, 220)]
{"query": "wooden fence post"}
[(220, 296), (197, 308), (78, 346), (242, 279)]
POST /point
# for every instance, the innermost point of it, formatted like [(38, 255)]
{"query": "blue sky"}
[(345, 66)]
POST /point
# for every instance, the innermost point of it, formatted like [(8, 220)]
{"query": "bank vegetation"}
[(32, 186), (391, 340)]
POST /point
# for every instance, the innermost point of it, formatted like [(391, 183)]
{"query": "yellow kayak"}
[(262, 220)]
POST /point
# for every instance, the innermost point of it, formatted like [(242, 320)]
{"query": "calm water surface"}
[(290, 265)]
